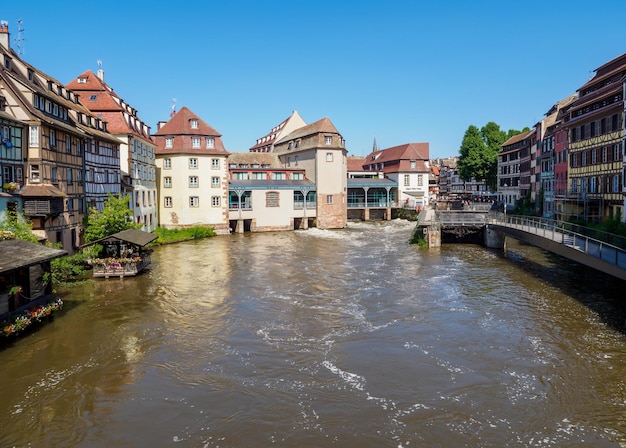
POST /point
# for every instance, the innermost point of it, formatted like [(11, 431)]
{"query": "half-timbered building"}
[(595, 131)]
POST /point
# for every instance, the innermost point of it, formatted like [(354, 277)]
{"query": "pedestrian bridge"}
[(603, 251)]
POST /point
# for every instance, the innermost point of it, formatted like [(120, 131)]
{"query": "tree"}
[(478, 154), (472, 154), (18, 225), (114, 217)]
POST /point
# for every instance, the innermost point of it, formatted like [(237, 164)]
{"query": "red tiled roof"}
[(398, 158), (179, 129), (322, 125), (356, 163)]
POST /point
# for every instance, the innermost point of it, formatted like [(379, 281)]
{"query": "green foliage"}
[(408, 214), (418, 238), (19, 225), (114, 217), (478, 154), (166, 236), (68, 269)]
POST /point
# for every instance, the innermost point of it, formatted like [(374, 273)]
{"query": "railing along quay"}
[(560, 233)]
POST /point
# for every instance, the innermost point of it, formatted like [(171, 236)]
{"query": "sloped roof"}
[(97, 96), (18, 253), (322, 125), (268, 184), (179, 129), (398, 158), (518, 138), (180, 124), (293, 121), (41, 191), (133, 236), (355, 163), (250, 158)]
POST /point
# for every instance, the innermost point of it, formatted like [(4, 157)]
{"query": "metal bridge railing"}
[(561, 233)]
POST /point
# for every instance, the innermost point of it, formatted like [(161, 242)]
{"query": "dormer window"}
[(194, 123), (169, 142), (329, 140), (210, 143), (82, 80), (93, 97), (7, 62), (31, 75)]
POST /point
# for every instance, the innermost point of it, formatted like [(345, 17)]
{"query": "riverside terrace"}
[(599, 250)]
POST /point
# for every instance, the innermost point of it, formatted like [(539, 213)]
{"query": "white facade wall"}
[(185, 202), (412, 188)]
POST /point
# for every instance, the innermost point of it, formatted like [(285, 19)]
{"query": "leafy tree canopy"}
[(114, 217), (478, 154)]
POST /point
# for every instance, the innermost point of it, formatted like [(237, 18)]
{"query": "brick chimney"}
[(4, 34)]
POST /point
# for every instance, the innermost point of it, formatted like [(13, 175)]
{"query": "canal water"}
[(349, 338)]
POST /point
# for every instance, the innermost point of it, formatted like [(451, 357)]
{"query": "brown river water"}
[(349, 338)]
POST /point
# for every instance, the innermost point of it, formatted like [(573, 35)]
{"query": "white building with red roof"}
[(192, 173), (409, 166)]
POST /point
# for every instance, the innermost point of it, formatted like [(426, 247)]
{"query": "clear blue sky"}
[(395, 71)]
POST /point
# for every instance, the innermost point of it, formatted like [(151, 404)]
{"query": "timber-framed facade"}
[(595, 125)]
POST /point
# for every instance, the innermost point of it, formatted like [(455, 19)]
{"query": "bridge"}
[(603, 251)]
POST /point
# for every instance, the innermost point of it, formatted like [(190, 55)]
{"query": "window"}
[(167, 182), (194, 123), (68, 144), (592, 185), (297, 176), (53, 175), (193, 163), (215, 201), (193, 181), (329, 156), (215, 164), (593, 156), (167, 164), (53, 138), (272, 199), (210, 143), (617, 151), (34, 174), (169, 142), (259, 175), (407, 180), (70, 177), (329, 140), (420, 180), (93, 97), (278, 176), (615, 188), (413, 164), (195, 142), (194, 201), (240, 175), (329, 198), (215, 181)]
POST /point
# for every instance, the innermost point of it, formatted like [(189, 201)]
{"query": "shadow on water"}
[(600, 292)]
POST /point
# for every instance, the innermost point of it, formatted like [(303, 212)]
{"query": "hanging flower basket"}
[(19, 322), (10, 187)]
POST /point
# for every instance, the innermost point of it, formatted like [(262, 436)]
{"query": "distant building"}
[(287, 126), (514, 151)]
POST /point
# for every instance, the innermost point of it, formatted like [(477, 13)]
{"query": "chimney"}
[(101, 74), (4, 34)]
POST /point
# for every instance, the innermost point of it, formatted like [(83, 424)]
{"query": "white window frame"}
[(167, 182), (193, 123), (169, 142), (193, 163), (328, 140), (215, 164), (195, 142), (210, 143), (329, 198), (215, 201), (407, 180), (194, 201), (329, 156), (215, 181), (167, 164), (167, 202), (193, 181)]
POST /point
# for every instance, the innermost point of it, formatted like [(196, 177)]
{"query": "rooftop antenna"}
[(20, 38), (173, 107)]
